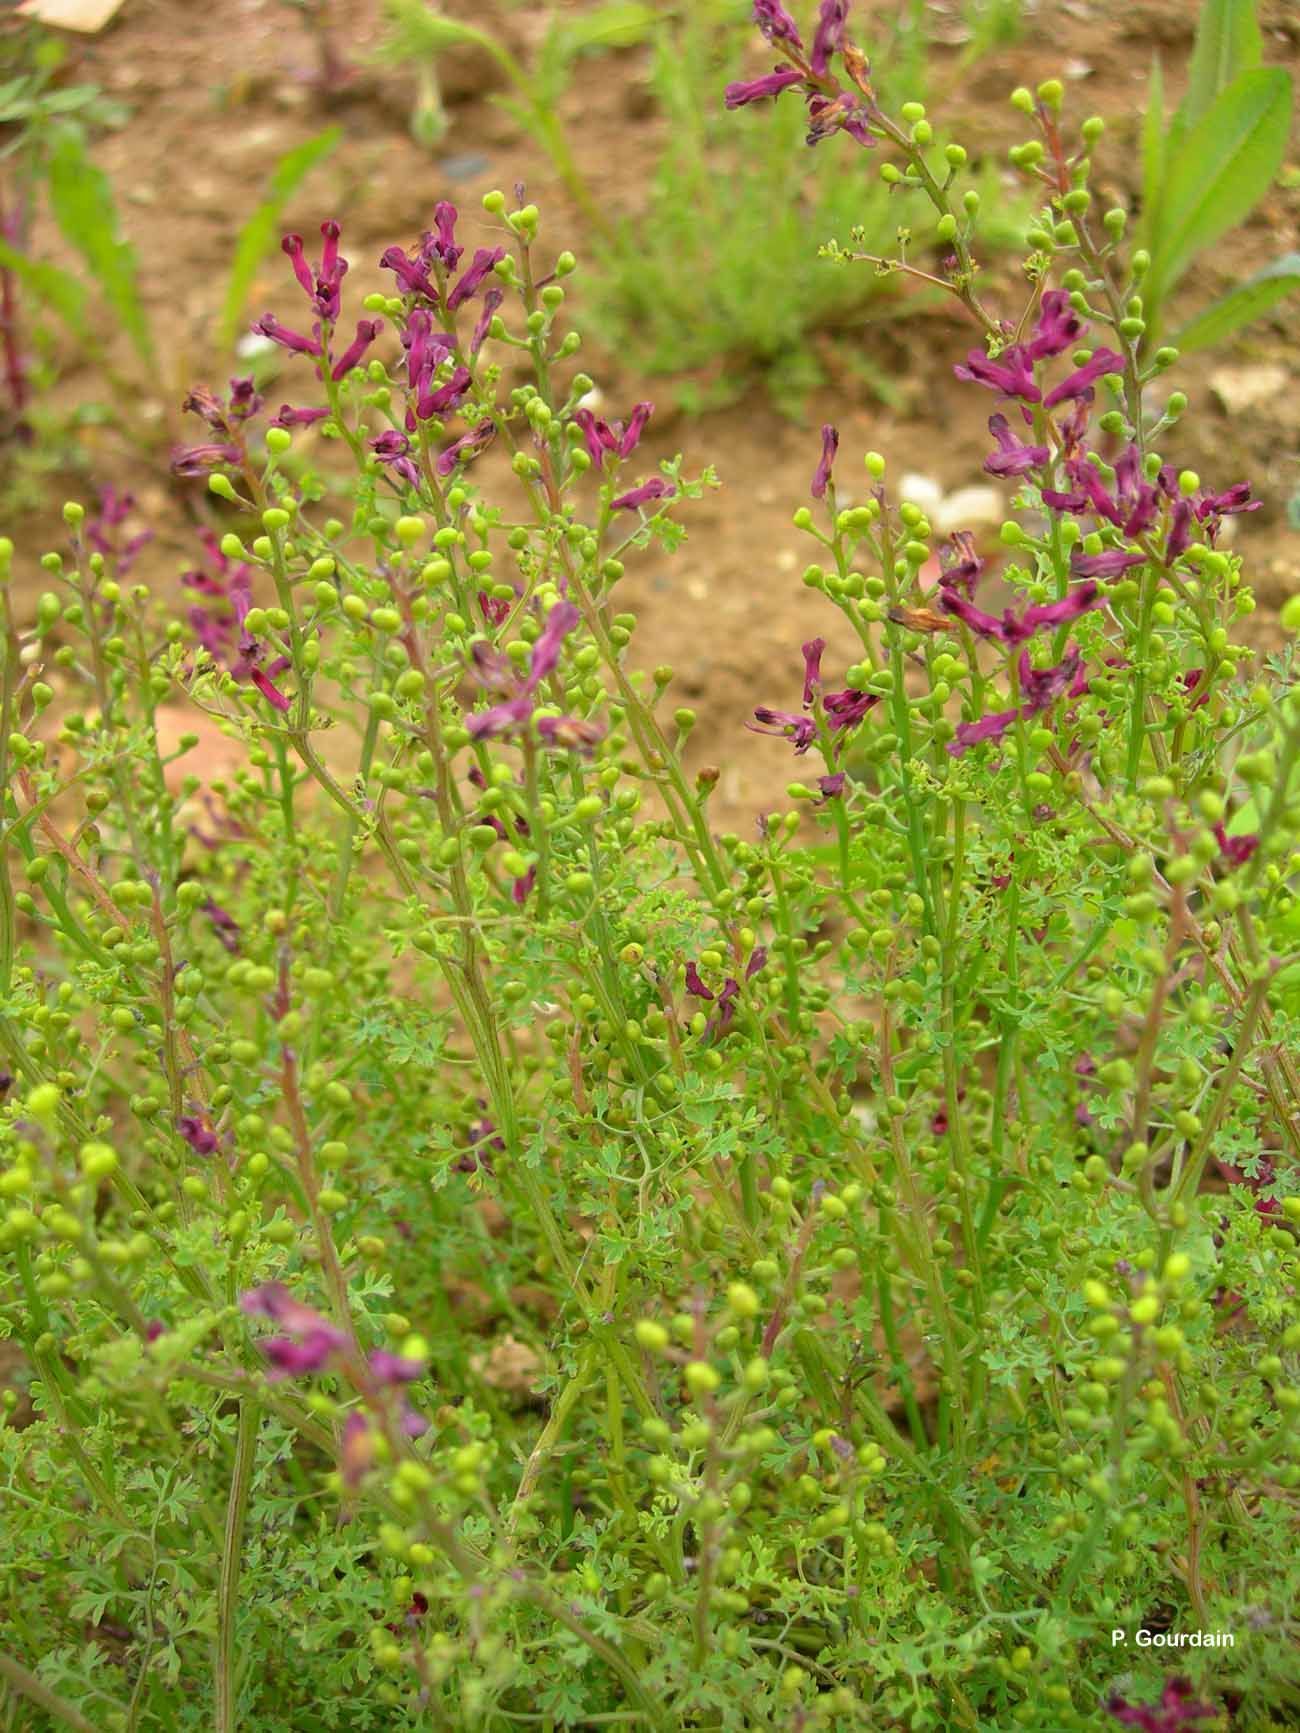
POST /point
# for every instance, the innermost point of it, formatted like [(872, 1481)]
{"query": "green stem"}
[(36, 1691), (232, 1557)]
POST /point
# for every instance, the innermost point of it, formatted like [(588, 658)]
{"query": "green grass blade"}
[(1223, 169), (53, 288), (1154, 152), (81, 198), (1227, 44), (1240, 306)]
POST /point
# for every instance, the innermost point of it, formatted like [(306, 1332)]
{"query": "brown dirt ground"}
[(219, 92)]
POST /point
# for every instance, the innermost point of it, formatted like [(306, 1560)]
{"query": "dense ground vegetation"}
[(488, 1247)]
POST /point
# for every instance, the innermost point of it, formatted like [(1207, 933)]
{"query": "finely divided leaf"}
[(1247, 302), (258, 233)]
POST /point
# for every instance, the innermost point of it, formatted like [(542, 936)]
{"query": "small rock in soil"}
[(1237, 389)]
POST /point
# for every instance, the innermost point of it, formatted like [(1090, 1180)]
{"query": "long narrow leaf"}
[(54, 288), (1224, 168), (1247, 302), (258, 233), (81, 199), (1227, 44), (1153, 152)]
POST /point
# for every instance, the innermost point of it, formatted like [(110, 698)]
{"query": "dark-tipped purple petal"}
[(777, 24), (812, 667), (1058, 327), (822, 474), (802, 730), (747, 90), (1012, 374), (1013, 456), (655, 488), (829, 38), (1085, 377)]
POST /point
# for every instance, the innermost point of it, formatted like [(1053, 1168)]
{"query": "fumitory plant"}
[(485, 1246)]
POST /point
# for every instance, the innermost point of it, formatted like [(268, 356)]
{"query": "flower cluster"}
[(831, 107)]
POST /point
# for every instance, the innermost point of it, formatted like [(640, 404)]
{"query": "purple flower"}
[(840, 113), (465, 449), (694, 985), (1013, 456), (499, 718), (1180, 531), (441, 244), (1080, 600), (1109, 564), (1190, 681), (747, 90), (724, 1009), (391, 1368), (516, 711), (472, 276), (831, 787), (561, 620), (991, 727), (198, 1133), (223, 633), (812, 667), (1235, 850), (322, 286), (1231, 501), (575, 733), (1040, 687), (1204, 509), (414, 1425), (392, 449), (412, 276), (269, 690), (655, 488), (1174, 1713), (802, 730), (445, 397), (1083, 378), (604, 441), (114, 509), (1057, 329), (224, 924), (309, 1342), (829, 38), (367, 331), (290, 417), (491, 301), (224, 417), (983, 625), (200, 459), (959, 565), (822, 474), (777, 24), (1011, 374), (269, 326), (847, 708), (757, 961)]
